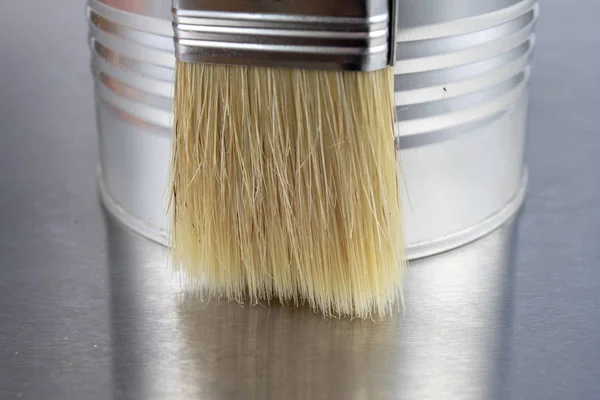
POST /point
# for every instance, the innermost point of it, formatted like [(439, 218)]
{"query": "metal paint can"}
[(461, 79)]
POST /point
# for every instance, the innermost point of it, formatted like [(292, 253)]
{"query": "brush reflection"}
[(167, 343)]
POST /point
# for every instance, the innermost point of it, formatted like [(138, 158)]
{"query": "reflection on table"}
[(450, 344)]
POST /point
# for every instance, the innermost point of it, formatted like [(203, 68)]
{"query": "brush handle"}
[(314, 34)]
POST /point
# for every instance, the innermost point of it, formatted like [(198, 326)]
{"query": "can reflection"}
[(451, 344)]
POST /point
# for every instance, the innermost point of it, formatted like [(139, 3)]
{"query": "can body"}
[(461, 78)]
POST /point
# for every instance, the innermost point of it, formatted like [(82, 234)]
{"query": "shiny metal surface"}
[(461, 80), (462, 97), (448, 344), (316, 34), (88, 312)]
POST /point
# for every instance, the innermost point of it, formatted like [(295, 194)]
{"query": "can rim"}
[(460, 238), (414, 251)]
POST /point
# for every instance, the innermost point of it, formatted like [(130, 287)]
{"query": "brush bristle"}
[(285, 186)]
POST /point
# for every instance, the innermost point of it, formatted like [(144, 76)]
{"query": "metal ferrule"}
[(315, 34)]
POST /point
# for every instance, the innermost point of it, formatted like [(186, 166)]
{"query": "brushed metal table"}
[(88, 310)]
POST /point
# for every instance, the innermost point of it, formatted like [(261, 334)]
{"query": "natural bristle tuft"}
[(285, 186)]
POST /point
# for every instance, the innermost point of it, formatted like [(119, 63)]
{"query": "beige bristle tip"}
[(285, 186)]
